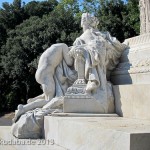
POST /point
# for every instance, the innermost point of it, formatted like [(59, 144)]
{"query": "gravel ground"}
[(6, 119)]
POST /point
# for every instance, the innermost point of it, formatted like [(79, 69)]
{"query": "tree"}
[(35, 8), (118, 18), (132, 19), (90, 6), (17, 81), (24, 46), (11, 14), (27, 30)]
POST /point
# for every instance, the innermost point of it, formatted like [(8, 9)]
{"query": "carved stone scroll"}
[(144, 16)]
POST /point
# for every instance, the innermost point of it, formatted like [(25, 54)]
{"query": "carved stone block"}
[(134, 66), (81, 105), (76, 100)]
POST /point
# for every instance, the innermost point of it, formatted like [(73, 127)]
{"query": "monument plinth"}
[(98, 133), (134, 66)]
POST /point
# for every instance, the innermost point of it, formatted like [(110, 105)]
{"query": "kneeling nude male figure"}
[(48, 62)]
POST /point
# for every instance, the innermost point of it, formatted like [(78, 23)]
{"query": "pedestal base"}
[(77, 100), (132, 101), (134, 66), (82, 105), (98, 133), (9, 142)]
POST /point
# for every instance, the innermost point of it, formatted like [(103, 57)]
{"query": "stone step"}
[(98, 133), (132, 101), (8, 142)]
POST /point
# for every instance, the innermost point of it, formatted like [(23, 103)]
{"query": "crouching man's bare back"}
[(48, 62)]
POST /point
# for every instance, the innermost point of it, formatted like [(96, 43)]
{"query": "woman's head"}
[(88, 21)]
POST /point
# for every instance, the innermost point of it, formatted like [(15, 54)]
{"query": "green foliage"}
[(26, 30), (11, 14), (90, 6), (132, 19), (23, 47), (110, 15), (121, 20), (35, 8), (3, 35)]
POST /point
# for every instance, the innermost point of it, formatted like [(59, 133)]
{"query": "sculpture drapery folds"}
[(93, 55)]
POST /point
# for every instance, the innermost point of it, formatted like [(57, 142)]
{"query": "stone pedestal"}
[(76, 104), (76, 100), (79, 100), (98, 133), (132, 101), (134, 66)]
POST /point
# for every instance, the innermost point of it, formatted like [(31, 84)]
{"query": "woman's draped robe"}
[(101, 53)]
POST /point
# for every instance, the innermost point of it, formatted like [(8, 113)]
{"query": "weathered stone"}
[(132, 101), (9, 142), (134, 66), (144, 16), (98, 133), (83, 115)]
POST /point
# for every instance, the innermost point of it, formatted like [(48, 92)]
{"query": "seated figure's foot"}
[(18, 113), (91, 86)]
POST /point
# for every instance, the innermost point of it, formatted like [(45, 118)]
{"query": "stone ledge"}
[(141, 39), (82, 115), (9, 142), (134, 61), (132, 101), (98, 133)]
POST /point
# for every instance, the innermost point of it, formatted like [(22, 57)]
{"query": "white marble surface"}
[(132, 101), (96, 53), (9, 142), (144, 6), (83, 115), (134, 66), (98, 133)]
